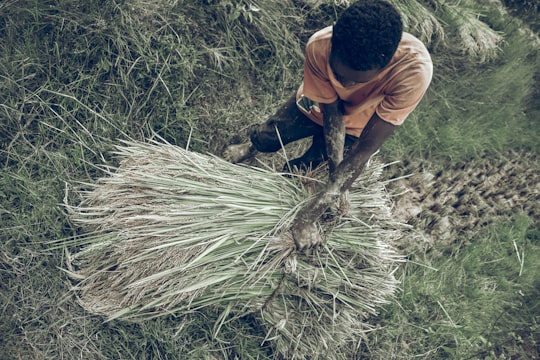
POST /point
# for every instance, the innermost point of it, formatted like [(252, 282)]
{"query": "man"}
[(362, 78)]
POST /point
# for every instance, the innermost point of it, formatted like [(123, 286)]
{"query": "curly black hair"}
[(367, 34)]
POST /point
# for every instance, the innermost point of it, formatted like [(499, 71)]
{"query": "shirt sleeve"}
[(317, 85), (405, 92)]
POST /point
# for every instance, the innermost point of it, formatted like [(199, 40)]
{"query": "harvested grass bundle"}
[(171, 232)]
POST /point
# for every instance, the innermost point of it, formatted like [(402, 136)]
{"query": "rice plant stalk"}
[(172, 232)]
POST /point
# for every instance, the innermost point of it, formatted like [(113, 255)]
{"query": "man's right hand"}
[(306, 236)]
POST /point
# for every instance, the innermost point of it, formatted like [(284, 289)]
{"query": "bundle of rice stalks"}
[(171, 231)]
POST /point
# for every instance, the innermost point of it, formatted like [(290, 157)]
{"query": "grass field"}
[(78, 76)]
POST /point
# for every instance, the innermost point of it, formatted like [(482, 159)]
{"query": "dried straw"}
[(172, 231)]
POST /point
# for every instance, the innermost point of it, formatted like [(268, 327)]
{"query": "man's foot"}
[(238, 153)]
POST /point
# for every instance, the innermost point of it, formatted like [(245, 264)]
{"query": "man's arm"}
[(304, 230), (334, 134), (376, 132)]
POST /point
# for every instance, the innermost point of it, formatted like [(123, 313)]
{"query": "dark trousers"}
[(290, 124)]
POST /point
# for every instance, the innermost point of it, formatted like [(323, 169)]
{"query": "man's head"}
[(365, 38)]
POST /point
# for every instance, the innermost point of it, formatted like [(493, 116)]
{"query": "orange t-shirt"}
[(392, 94)]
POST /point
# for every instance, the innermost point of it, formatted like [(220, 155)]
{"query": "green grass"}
[(480, 301), (471, 110), (77, 76)]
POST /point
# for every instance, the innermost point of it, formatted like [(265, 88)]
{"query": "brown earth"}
[(450, 205)]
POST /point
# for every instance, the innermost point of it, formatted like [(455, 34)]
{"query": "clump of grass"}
[(420, 21), (476, 38), (172, 232), (476, 302)]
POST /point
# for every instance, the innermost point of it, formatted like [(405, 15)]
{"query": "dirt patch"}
[(450, 205)]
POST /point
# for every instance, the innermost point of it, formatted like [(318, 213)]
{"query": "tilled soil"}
[(449, 205)]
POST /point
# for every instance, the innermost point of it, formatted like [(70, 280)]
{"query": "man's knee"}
[(264, 137)]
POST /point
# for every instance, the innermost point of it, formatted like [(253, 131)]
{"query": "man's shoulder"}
[(410, 45), (410, 65), (323, 35), (411, 59), (318, 49)]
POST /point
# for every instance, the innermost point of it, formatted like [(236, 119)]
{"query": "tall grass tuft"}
[(420, 20), (477, 39), (173, 232)]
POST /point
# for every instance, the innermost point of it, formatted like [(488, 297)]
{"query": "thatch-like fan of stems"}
[(171, 231)]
